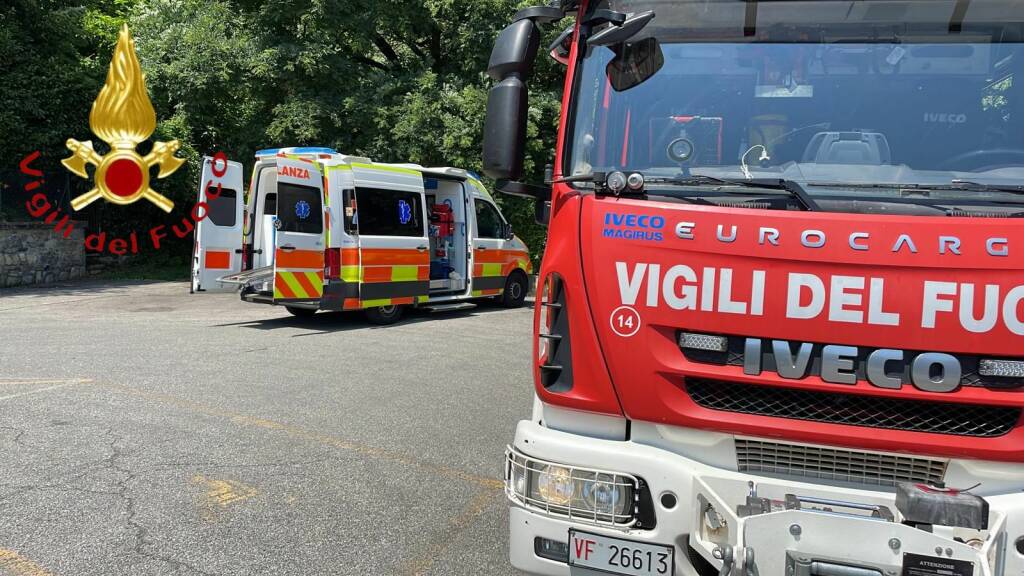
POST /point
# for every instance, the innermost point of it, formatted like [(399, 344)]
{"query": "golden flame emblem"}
[(123, 117)]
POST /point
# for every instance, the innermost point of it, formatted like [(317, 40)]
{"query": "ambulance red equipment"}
[(780, 319)]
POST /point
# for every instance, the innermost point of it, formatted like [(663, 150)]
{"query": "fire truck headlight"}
[(583, 494), (606, 495), (555, 485)]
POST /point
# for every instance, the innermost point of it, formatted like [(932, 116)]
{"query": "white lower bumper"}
[(771, 539)]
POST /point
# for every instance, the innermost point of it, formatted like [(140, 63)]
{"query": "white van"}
[(320, 230)]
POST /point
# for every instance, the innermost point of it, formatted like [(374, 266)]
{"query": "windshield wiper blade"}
[(795, 189), (972, 186)]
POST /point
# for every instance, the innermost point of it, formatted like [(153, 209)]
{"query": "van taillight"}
[(332, 260)]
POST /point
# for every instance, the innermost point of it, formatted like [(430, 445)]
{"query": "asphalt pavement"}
[(144, 430)]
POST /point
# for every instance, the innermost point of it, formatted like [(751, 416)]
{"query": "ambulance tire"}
[(300, 312), (516, 288), (384, 315)]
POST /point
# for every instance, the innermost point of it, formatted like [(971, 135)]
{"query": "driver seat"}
[(848, 148)]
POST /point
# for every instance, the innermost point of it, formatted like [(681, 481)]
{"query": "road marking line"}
[(304, 434), (476, 507), (14, 563), (19, 394), (17, 381), (221, 494)]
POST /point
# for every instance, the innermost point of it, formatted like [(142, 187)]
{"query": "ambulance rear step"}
[(258, 298), (450, 307)]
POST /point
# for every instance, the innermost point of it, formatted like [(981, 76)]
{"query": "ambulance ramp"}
[(249, 276)]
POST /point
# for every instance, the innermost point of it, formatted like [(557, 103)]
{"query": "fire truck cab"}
[(321, 230), (779, 327)]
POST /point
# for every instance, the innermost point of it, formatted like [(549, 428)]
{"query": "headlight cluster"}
[(583, 494)]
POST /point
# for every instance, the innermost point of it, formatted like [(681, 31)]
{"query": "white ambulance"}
[(319, 230)]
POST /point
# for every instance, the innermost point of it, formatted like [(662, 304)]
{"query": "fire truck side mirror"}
[(505, 129)]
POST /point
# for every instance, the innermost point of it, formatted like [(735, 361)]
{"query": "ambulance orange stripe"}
[(307, 286), (377, 274), (423, 273), (299, 258), (401, 301), (497, 256), (350, 256), (218, 260), (478, 270), (351, 304), (281, 286), (394, 257)]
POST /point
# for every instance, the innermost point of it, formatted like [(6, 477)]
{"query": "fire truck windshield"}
[(815, 92)]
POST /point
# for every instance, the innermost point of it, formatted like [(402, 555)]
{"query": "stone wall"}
[(33, 253)]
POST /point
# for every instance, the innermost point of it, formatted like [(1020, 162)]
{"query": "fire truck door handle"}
[(239, 251), (421, 248), (287, 247), (481, 247)]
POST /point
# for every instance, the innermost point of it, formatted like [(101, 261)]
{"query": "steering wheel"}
[(991, 158)]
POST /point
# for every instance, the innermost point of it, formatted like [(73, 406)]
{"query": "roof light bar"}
[(708, 342), (1001, 368)]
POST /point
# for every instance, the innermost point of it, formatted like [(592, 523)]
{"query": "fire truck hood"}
[(813, 294)]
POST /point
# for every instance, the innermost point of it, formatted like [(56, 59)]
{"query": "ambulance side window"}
[(488, 222), (270, 205), (299, 209), (382, 212), (348, 200), (222, 208)]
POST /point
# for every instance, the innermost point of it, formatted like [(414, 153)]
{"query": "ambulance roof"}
[(298, 150)]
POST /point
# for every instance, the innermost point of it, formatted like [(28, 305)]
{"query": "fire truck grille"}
[(829, 464), (854, 409)]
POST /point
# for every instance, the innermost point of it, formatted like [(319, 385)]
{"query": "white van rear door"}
[(218, 239), (299, 242)]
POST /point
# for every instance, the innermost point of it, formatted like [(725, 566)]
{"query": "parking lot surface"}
[(144, 430)]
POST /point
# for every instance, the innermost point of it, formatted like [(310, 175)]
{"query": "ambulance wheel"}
[(300, 312), (515, 290), (384, 315)]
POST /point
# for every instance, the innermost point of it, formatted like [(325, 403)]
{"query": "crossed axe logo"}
[(123, 116)]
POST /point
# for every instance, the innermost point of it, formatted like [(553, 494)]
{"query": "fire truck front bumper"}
[(584, 506)]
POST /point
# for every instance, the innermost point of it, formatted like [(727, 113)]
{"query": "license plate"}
[(619, 556)]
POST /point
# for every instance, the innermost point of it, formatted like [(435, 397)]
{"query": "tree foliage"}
[(395, 80)]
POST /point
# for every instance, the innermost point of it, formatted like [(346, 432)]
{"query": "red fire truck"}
[(780, 328)]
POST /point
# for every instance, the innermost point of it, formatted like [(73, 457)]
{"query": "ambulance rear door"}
[(391, 221), (217, 250), (299, 241)]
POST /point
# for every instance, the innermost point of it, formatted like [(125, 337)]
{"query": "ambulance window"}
[(270, 205), (299, 209), (383, 212), (488, 221), (222, 208)]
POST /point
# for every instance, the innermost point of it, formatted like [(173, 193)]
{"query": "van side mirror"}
[(508, 233), (505, 128), (511, 64)]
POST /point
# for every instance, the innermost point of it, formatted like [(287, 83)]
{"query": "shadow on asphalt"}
[(331, 322)]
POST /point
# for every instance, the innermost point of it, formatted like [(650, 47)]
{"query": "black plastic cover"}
[(921, 504), (505, 130), (514, 50)]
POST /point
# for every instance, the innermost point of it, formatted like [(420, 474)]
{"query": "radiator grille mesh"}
[(854, 409), (831, 464)]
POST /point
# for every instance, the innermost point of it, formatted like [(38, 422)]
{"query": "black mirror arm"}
[(539, 14), (523, 190)]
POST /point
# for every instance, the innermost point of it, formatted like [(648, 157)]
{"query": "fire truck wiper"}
[(958, 184), (795, 189)]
